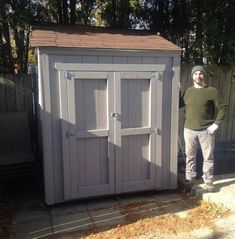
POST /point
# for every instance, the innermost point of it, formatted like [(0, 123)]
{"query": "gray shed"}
[(108, 102)]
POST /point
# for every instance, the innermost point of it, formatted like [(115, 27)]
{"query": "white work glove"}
[(211, 129), (180, 86)]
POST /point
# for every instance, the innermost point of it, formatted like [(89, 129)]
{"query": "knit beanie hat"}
[(198, 68)]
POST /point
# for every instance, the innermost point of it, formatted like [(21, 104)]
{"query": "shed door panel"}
[(135, 159), (90, 168), (110, 132)]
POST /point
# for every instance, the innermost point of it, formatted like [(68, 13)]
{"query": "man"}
[(204, 112)]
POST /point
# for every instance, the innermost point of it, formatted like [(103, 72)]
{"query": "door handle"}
[(116, 115)]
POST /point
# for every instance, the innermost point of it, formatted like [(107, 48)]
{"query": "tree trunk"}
[(1, 50), (60, 13), (72, 11), (114, 14), (6, 34), (199, 35), (65, 12), (19, 42), (123, 14), (26, 50)]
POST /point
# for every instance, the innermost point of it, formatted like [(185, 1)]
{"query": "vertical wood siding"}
[(135, 155), (135, 113), (135, 103), (164, 170), (91, 113), (91, 104)]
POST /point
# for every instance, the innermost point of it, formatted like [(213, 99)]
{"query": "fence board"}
[(17, 121), (227, 96), (2, 95), (28, 95), (20, 91), (224, 81), (15, 93), (231, 112), (10, 93)]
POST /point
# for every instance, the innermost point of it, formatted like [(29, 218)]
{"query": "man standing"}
[(204, 112)]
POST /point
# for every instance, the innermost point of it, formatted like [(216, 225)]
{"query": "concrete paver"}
[(31, 222), (75, 219), (67, 208), (83, 216), (71, 222), (226, 227), (107, 217), (32, 229), (224, 192)]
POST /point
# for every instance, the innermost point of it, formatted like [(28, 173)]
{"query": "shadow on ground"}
[(26, 215)]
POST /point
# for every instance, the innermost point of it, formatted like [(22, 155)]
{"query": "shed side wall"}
[(174, 121), (46, 127)]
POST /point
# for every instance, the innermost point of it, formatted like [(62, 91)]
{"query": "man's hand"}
[(211, 129)]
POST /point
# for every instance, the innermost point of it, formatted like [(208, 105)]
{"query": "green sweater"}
[(203, 107)]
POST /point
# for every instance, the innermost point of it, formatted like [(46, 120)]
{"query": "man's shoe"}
[(210, 187)]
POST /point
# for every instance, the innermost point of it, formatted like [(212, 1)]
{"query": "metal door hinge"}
[(157, 75), (158, 131), (66, 75)]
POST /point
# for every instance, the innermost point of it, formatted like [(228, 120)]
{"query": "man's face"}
[(198, 78)]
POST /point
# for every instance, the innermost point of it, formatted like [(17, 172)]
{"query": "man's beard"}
[(199, 81)]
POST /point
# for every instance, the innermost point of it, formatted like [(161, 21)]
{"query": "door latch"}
[(68, 134), (116, 116)]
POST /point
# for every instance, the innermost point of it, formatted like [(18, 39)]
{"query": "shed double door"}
[(110, 132)]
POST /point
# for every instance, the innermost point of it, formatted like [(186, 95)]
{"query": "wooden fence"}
[(17, 94), (224, 81), (18, 128)]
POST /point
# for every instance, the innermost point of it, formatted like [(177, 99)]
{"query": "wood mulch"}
[(201, 216)]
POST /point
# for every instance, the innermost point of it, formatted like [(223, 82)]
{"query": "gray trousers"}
[(207, 142)]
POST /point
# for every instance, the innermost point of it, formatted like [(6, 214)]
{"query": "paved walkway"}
[(82, 217), (76, 219), (224, 193)]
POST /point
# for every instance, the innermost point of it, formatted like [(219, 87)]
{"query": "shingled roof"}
[(98, 37)]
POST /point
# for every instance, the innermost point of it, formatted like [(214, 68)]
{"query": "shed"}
[(108, 103)]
